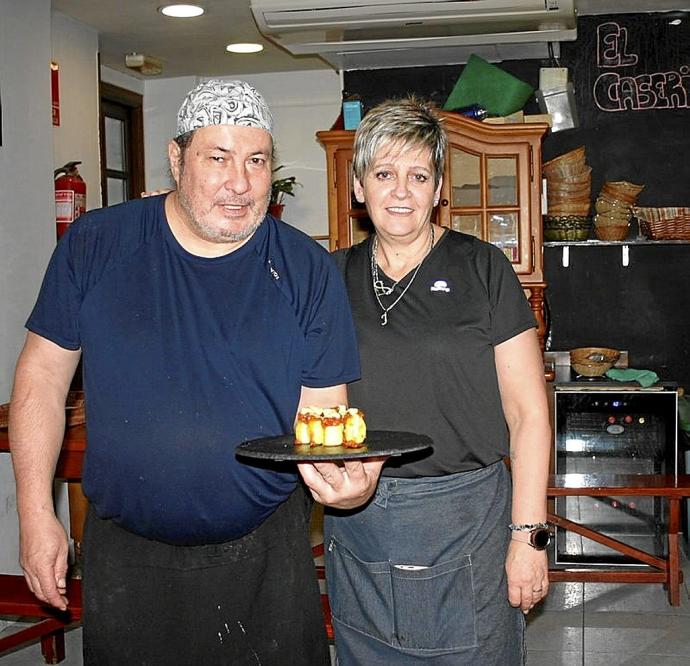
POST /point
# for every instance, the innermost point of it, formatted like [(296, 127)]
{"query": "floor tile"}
[(631, 660), (548, 658), (554, 631), (31, 655), (640, 598), (564, 597), (638, 634)]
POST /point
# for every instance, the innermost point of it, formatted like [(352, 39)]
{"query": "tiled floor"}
[(580, 624)]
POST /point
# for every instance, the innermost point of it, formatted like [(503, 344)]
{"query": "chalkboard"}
[(635, 65), (631, 74)]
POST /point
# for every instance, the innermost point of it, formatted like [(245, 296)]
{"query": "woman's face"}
[(398, 190)]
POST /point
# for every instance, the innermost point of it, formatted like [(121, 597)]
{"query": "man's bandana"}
[(218, 102)]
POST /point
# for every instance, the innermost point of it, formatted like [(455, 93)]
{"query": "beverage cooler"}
[(601, 429)]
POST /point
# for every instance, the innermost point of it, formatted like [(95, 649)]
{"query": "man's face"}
[(224, 181)]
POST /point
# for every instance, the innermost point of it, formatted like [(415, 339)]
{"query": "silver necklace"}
[(380, 289)]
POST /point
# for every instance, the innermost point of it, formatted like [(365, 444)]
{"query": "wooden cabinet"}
[(491, 189)]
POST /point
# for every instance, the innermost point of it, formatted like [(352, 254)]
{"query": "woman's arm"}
[(520, 369)]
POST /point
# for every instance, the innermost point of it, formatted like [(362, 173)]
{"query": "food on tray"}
[(330, 426)]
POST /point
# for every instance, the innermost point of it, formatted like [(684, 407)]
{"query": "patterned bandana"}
[(218, 102)]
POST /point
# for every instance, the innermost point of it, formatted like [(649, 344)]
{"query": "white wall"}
[(75, 49), (162, 99), (27, 226), (31, 149), (302, 104), (115, 78)]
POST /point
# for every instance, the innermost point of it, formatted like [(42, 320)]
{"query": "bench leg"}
[(53, 647), (674, 572)]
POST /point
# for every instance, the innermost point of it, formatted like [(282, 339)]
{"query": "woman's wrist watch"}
[(536, 535)]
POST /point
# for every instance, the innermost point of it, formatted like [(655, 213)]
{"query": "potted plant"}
[(280, 187)]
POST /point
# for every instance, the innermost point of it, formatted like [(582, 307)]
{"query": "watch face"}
[(540, 538)]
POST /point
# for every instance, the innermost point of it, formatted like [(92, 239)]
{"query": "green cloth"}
[(480, 82), (644, 377)]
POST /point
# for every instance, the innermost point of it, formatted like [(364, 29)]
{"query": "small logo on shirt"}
[(440, 285), (274, 272)]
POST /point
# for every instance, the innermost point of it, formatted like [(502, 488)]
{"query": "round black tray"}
[(378, 443)]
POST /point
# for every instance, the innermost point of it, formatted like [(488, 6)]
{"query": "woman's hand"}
[(528, 575)]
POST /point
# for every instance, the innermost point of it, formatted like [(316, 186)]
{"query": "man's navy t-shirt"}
[(185, 357)]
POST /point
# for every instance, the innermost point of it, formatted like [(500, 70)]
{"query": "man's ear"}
[(175, 159)]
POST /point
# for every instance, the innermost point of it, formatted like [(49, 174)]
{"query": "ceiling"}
[(185, 47), (196, 46)]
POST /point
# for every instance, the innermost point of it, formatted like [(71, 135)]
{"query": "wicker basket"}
[(568, 164), (593, 361), (74, 410), (664, 223), (566, 227), (617, 232)]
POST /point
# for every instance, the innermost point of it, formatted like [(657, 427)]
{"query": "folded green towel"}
[(644, 377)]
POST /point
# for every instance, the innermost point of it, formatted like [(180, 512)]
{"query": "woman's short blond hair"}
[(404, 123)]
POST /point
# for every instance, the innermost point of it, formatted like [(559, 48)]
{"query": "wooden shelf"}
[(599, 243)]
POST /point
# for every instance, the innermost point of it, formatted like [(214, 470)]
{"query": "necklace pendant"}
[(384, 319), (381, 289)]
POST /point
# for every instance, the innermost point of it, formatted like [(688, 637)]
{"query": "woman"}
[(438, 567)]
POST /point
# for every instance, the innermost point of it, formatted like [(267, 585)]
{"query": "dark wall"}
[(643, 137), (644, 307), (632, 80), (631, 75)]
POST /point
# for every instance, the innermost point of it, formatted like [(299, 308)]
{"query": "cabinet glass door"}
[(487, 198)]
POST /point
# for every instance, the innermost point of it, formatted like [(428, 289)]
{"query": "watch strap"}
[(527, 527)]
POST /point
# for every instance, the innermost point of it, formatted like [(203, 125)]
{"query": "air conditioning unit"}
[(368, 34)]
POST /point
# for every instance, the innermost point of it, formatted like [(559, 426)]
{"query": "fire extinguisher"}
[(70, 196)]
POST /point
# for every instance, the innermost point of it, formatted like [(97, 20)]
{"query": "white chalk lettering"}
[(662, 90), (614, 92), (612, 44)]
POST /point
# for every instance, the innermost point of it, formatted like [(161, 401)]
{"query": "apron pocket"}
[(425, 611), (348, 578), (434, 606)]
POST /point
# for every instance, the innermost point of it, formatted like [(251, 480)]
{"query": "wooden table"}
[(15, 597), (666, 571)]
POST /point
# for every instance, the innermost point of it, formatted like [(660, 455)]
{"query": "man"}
[(202, 323)]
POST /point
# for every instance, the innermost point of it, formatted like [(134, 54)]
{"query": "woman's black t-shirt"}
[(431, 368)]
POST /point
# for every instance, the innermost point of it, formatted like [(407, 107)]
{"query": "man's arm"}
[(36, 431), (342, 487)]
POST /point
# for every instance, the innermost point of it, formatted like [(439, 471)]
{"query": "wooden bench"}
[(17, 600), (664, 570)]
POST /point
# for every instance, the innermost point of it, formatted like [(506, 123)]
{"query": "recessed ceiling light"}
[(181, 11), (244, 48)]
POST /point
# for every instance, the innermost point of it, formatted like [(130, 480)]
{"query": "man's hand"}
[(155, 193), (43, 557), (342, 486), (528, 575)]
